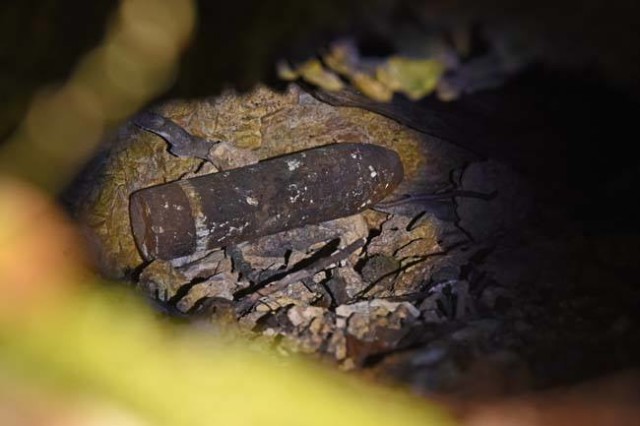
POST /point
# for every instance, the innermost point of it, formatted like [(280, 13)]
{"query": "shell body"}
[(312, 186)]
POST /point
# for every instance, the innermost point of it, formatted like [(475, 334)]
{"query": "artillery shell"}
[(186, 216)]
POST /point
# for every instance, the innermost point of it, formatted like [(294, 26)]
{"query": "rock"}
[(219, 286), (161, 280), (379, 272), (345, 285), (214, 262)]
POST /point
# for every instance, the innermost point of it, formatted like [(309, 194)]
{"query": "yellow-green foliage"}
[(413, 77), (107, 345)]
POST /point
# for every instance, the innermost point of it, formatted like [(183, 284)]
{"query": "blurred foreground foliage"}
[(104, 345)]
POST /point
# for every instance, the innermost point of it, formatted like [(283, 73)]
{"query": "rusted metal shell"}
[(186, 216)]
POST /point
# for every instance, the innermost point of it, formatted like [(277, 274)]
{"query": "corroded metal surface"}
[(180, 218)]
